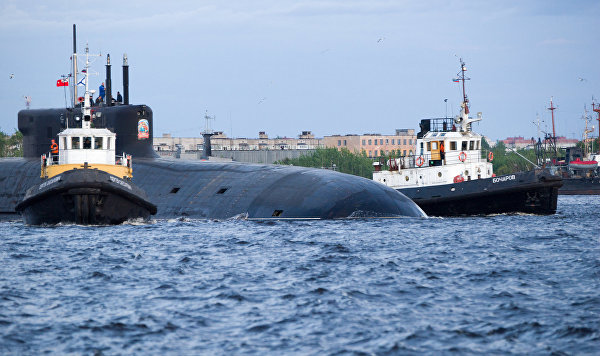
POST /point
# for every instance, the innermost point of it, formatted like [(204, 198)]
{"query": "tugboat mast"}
[(464, 120), (461, 76), (86, 108)]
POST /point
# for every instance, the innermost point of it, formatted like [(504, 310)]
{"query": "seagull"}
[(380, 39), (12, 75), (582, 79), (261, 100)]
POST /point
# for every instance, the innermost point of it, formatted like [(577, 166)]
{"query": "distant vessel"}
[(84, 183), (578, 168), (451, 175)]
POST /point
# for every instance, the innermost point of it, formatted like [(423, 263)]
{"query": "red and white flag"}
[(62, 83)]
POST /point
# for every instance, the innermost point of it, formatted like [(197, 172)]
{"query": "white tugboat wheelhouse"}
[(447, 151)]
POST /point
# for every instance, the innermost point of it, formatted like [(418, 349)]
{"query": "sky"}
[(330, 67)]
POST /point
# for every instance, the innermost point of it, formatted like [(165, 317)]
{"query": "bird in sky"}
[(380, 39), (12, 75), (261, 100), (582, 79)]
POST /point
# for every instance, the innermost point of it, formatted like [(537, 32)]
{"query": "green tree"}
[(507, 161), (11, 146), (331, 158)]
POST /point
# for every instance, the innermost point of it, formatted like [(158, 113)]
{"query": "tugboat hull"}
[(524, 192), (84, 196)]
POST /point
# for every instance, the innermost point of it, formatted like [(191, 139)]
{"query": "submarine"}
[(197, 189)]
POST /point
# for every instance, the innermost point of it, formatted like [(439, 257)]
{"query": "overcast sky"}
[(331, 67)]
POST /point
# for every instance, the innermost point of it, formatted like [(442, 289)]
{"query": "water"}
[(506, 284)]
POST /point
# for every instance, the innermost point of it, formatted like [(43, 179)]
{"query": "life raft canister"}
[(420, 161), (462, 156), (459, 179), (491, 156)]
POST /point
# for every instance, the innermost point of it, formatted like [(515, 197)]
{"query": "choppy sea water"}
[(505, 284)]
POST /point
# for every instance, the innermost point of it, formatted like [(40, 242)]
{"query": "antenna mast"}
[(74, 58), (461, 77), (552, 108), (597, 110)]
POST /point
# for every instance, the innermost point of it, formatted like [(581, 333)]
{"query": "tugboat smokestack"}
[(125, 80), (108, 82)]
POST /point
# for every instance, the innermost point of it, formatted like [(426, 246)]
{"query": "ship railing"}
[(50, 159), (432, 160), (124, 160)]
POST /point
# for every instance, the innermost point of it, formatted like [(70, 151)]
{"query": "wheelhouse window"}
[(108, 143), (75, 143), (87, 143), (428, 146), (471, 145), (97, 143), (452, 145), (464, 145)]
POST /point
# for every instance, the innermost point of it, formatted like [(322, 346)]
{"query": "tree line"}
[(331, 158), (11, 145)]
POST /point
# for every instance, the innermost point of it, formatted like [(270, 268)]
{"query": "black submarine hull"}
[(532, 192), (84, 196), (203, 189)]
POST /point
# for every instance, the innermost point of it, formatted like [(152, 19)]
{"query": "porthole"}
[(406, 178), (439, 174), (466, 173)]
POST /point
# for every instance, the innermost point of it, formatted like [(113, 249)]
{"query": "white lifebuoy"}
[(462, 156)]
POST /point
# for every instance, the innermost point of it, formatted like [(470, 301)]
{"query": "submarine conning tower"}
[(133, 124)]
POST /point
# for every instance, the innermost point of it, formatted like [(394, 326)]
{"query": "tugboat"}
[(451, 175), (83, 182)]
